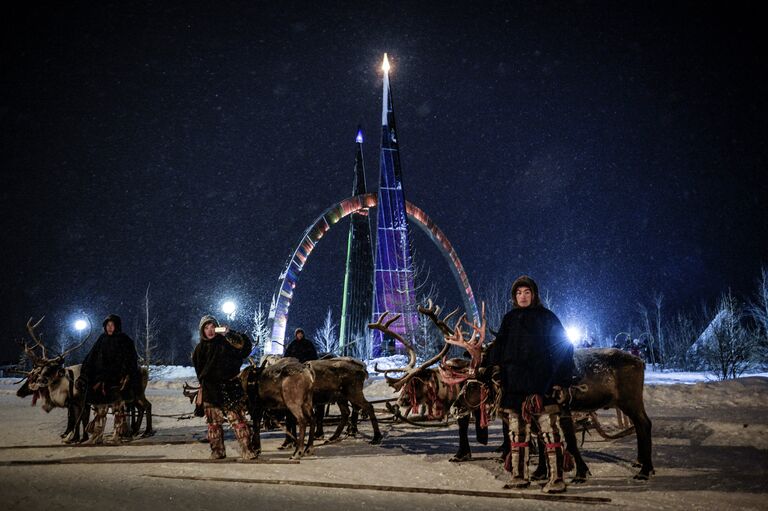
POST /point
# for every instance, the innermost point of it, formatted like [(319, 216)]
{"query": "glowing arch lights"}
[(281, 301)]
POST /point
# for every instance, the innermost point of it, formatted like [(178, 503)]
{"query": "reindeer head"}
[(45, 371)]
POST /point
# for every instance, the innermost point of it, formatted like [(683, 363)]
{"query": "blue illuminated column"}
[(394, 289)]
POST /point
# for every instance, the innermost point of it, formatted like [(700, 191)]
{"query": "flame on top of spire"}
[(359, 138), (385, 64)]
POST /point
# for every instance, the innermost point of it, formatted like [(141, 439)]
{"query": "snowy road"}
[(710, 442)]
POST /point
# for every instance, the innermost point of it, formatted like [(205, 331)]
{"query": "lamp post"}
[(230, 309), (574, 334)]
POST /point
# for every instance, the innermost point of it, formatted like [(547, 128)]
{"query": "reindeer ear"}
[(60, 372)]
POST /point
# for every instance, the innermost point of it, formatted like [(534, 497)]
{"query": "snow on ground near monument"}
[(651, 377), (710, 449)]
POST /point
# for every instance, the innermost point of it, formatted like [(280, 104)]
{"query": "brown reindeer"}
[(284, 385), (54, 382), (451, 385), (341, 381)]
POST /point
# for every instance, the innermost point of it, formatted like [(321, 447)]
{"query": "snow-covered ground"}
[(651, 377), (710, 450)]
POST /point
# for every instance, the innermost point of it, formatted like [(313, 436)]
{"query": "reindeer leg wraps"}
[(549, 422), (96, 427), (242, 433), (215, 418), (121, 426), (519, 432)]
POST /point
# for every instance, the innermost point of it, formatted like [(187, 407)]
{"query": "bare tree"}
[(547, 300), (259, 331), (758, 309), (326, 337), (497, 302), (643, 310), (149, 330), (658, 299), (680, 334), (360, 347), (730, 346)]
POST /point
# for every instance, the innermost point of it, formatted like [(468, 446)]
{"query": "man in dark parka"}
[(110, 374), (534, 356), (217, 360), (301, 347)]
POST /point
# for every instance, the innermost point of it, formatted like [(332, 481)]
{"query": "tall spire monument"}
[(394, 289), (358, 277)]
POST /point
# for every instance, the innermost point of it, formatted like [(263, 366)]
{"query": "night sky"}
[(609, 151)]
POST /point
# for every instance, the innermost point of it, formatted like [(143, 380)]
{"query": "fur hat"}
[(296, 332), (204, 321), (115, 319), (526, 281)]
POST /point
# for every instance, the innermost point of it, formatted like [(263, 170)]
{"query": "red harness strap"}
[(484, 419), (533, 405), (553, 445), (518, 444)]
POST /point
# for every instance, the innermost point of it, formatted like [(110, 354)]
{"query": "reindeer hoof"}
[(643, 476), (147, 434), (460, 457), (284, 446), (376, 440)]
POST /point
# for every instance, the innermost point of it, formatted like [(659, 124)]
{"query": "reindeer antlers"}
[(31, 330), (433, 313), (44, 358), (475, 343), (384, 327)]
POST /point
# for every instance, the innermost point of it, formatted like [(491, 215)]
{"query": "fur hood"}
[(114, 318), (526, 281), (204, 321)]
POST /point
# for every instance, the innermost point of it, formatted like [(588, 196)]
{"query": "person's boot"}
[(121, 426), (556, 484), (542, 472), (243, 435), (518, 461), (96, 426), (216, 441)]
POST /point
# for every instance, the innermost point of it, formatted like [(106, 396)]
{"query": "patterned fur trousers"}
[(99, 422), (552, 436), (214, 416)]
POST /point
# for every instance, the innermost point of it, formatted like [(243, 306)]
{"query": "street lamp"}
[(574, 334), (83, 325), (229, 308)]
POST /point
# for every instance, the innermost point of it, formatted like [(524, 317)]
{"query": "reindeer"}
[(55, 383), (341, 380), (338, 380), (442, 388), (283, 385)]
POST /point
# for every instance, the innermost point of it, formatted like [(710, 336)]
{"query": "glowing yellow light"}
[(385, 64)]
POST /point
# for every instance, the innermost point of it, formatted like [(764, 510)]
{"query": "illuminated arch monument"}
[(386, 281), (281, 301)]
